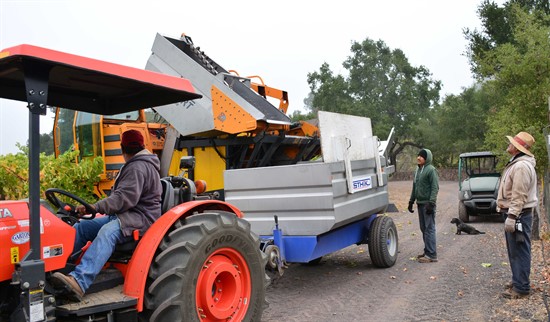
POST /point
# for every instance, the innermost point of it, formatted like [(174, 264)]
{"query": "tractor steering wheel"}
[(69, 209)]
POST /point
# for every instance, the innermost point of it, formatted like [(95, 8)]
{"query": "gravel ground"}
[(465, 284)]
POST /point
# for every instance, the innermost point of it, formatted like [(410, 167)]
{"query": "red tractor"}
[(198, 262)]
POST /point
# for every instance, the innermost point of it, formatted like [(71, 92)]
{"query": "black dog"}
[(462, 227)]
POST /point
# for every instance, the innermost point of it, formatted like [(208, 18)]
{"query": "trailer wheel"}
[(383, 242), (462, 212), (209, 267)]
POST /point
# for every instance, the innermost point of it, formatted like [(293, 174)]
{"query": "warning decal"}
[(14, 255), (52, 251)]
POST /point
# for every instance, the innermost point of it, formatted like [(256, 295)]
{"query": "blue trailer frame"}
[(304, 249)]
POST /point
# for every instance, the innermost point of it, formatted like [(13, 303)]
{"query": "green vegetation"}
[(510, 60), (519, 82), (62, 173)]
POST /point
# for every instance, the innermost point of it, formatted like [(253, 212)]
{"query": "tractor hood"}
[(479, 184)]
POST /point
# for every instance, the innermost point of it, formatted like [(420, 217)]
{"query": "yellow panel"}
[(210, 167), (229, 117), (174, 169)]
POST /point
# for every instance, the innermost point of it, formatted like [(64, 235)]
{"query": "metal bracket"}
[(36, 84)]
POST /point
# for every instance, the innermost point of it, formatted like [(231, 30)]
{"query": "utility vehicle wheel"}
[(383, 242), (462, 212), (209, 267)]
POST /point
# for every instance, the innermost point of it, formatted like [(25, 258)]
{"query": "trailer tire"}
[(383, 242), (208, 267)]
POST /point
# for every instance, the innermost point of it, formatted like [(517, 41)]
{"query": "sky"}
[(280, 41)]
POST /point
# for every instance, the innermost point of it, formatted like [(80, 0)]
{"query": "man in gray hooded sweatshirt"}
[(134, 204), (424, 192)]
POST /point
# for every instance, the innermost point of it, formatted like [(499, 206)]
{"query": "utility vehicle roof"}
[(477, 154), (87, 84)]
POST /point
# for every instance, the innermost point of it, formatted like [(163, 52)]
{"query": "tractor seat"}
[(123, 252), (168, 197)]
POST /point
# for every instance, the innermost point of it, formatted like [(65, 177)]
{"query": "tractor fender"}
[(138, 267)]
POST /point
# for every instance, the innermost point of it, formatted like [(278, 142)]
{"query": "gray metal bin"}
[(309, 198)]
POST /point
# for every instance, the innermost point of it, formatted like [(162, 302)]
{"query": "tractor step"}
[(104, 301)]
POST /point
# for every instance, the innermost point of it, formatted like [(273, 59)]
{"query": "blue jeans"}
[(519, 254), (105, 233), (427, 227)]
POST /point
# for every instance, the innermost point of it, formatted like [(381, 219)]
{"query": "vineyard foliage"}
[(62, 172)]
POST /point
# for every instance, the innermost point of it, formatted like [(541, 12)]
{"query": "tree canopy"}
[(498, 25), (380, 84), (510, 58), (458, 125)]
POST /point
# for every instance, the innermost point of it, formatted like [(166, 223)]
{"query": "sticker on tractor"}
[(5, 212), (23, 223), (36, 309), (362, 183), (20, 237), (14, 255), (7, 227), (52, 251)]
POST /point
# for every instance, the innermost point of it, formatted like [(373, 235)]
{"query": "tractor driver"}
[(134, 204)]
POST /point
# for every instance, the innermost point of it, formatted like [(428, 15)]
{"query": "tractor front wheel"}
[(209, 267)]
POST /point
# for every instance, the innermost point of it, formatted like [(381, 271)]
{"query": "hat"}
[(132, 139), (523, 141), (423, 154)]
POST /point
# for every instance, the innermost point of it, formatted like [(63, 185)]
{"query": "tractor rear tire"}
[(208, 267), (383, 242), (463, 212)]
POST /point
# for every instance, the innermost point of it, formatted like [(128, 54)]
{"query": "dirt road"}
[(463, 286)]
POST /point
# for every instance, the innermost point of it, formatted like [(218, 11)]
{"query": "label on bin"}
[(362, 183)]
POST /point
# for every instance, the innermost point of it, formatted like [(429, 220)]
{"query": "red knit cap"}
[(132, 139)]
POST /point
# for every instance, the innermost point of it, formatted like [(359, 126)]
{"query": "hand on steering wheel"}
[(78, 211), (82, 210)]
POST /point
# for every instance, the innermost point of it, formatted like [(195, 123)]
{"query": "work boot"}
[(427, 259), (508, 286), (69, 284), (513, 294), (420, 255)]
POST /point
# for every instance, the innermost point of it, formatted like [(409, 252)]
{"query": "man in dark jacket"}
[(424, 192), (134, 204)]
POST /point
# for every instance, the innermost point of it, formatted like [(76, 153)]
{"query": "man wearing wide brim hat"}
[(516, 200), (523, 141)]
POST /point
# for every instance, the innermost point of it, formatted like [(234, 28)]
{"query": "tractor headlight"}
[(466, 195)]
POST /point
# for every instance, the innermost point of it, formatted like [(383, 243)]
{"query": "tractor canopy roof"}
[(86, 84)]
